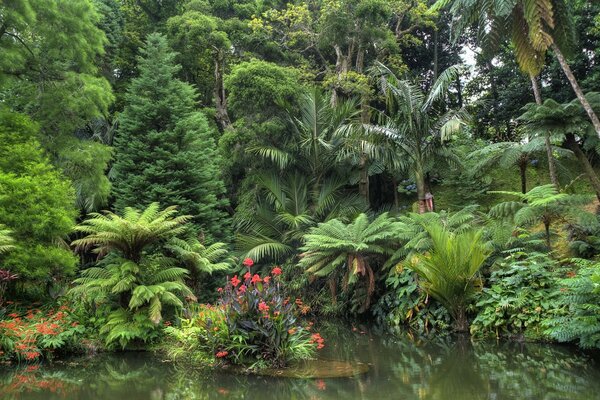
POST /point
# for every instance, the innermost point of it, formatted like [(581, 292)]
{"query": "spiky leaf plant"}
[(354, 247), (448, 271)]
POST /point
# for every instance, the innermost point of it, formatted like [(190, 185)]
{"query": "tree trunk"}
[(551, 162), (572, 144), (436, 62), (420, 182), (523, 172), (547, 232), (461, 323), (363, 183), (396, 200), (221, 114), (586, 105)]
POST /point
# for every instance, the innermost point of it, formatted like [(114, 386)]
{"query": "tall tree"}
[(165, 150), (534, 26), (36, 204), (48, 70), (415, 123)]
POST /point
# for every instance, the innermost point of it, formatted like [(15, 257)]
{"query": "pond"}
[(448, 368)]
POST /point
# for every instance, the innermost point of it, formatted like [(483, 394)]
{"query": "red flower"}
[(321, 385), (248, 262), (222, 354), (242, 289), (276, 271), (262, 306), (247, 275), (266, 280), (220, 290), (235, 281), (13, 315), (255, 279)]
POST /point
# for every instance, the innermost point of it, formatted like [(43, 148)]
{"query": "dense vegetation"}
[(206, 176)]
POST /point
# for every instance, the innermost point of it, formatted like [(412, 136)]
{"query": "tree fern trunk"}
[(572, 144), (577, 89), (550, 156)]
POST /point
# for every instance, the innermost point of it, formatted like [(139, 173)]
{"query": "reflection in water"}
[(449, 368)]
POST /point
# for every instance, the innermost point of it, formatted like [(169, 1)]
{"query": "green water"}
[(397, 369)]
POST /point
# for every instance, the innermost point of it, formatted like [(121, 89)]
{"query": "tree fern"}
[(354, 247), (542, 204), (143, 266)]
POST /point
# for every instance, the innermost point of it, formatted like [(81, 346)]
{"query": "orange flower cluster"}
[(316, 338), (25, 332)]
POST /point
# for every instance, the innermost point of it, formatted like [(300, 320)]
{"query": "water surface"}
[(399, 368)]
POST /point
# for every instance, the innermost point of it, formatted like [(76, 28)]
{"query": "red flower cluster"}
[(248, 262), (276, 271), (222, 354), (316, 338)]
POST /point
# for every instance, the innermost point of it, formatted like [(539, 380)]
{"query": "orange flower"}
[(222, 354)]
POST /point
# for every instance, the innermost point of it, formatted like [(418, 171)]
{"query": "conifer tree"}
[(165, 151)]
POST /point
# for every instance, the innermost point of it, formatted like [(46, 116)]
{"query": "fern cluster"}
[(579, 294), (142, 271)]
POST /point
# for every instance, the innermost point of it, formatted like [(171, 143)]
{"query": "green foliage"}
[(139, 276), (521, 295), (354, 248), (542, 204), (448, 270), (405, 305), (36, 204), (6, 240), (578, 294), (257, 88), (29, 335), (164, 149), (263, 323), (415, 126)]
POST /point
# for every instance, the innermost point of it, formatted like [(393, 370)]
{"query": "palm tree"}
[(534, 26), (285, 208), (542, 204), (448, 270), (564, 122), (415, 124), (333, 245)]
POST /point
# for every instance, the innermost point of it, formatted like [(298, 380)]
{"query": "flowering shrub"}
[(263, 323), (34, 334), (254, 324)]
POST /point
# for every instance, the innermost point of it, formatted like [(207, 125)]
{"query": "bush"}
[(521, 295), (405, 305)]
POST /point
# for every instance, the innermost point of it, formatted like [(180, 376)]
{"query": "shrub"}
[(405, 305), (522, 293)]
